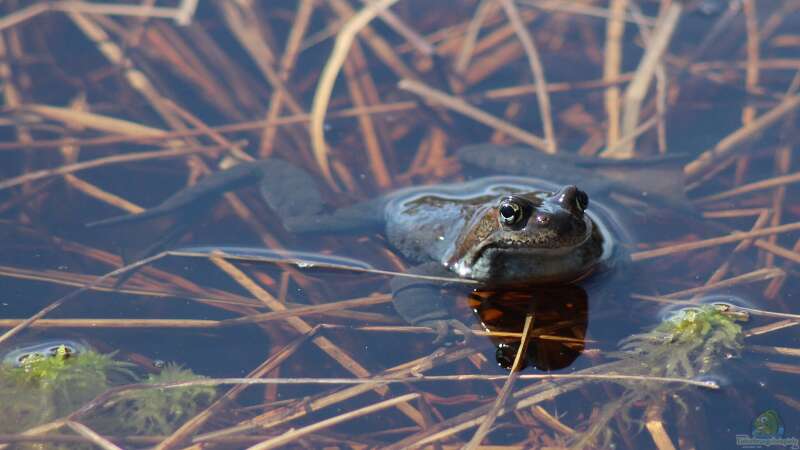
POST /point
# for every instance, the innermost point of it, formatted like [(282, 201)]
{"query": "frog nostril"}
[(542, 219)]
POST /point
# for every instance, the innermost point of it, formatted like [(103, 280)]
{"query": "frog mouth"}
[(531, 245)]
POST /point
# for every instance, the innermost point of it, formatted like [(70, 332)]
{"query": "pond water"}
[(112, 107)]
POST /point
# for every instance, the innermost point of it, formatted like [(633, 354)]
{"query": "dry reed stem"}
[(168, 279), (114, 54), (713, 242), (46, 310), (505, 392), (233, 148), (722, 270), (385, 108), (548, 419), (357, 75), (305, 9), (751, 76), (327, 79), (735, 213), (293, 435), (298, 324), (588, 10), (377, 381), (182, 15), (615, 29), (114, 323), (771, 328), (637, 89), (380, 46), (773, 350), (777, 250), (661, 86), (243, 24), (782, 180), (414, 39), (494, 59), (91, 435), (772, 290), (40, 429), (523, 399), (324, 344), (315, 264), (181, 56), (783, 162), (536, 69), (93, 121), (757, 275), (750, 277), (471, 36), (524, 89), (655, 426), (306, 310), (727, 146), (789, 401), (782, 367), (109, 160), (432, 95), (272, 362), (307, 406), (186, 11), (487, 43), (245, 28), (97, 193), (630, 138)]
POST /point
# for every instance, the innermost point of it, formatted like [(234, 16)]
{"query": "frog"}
[(63, 348), (531, 226)]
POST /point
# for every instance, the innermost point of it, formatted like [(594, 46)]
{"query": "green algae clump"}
[(43, 388), (690, 342), (37, 387), (160, 410)]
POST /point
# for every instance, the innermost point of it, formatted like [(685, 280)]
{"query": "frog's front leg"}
[(419, 302)]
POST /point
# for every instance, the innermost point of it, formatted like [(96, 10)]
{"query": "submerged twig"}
[(502, 396), (538, 73), (328, 77), (468, 110)]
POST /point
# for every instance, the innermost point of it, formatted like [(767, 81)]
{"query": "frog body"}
[(533, 228), (459, 226)]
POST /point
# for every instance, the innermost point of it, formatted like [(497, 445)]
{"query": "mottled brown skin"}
[(460, 226)]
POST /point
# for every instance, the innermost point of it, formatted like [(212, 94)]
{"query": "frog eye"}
[(582, 200), (510, 212)]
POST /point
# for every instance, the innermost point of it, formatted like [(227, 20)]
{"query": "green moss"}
[(693, 341), (161, 410), (44, 388)]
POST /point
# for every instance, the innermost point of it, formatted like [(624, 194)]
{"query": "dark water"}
[(214, 75)]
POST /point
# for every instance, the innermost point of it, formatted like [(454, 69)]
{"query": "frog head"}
[(529, 238)]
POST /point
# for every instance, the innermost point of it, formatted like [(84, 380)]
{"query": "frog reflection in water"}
[(500, 231), (561, 319)]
